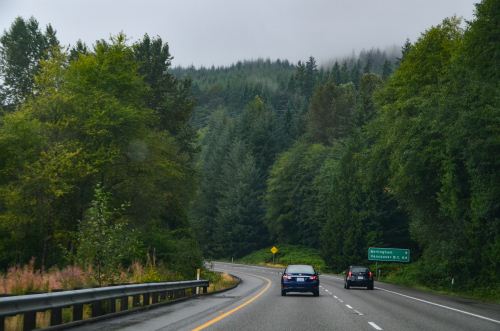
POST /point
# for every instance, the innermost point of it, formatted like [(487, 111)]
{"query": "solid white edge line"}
[(433, 303), (379, 288), (375, 326), (442, 306)]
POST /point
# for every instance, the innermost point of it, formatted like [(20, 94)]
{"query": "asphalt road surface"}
[(257, 304)]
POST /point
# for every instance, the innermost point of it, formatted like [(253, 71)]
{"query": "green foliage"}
[(216, 142), (90, 122), (233, 87), (410, 275), (228, 214), (239, 226), (288, 254), (21, 49), (104, 241), (335, 158), (437, 134), (331, 113), (291, 197), (168, 96)]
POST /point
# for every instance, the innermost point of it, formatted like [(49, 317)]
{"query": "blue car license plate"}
[(300, 279)]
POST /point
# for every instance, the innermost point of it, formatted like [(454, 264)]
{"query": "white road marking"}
[(358, 312), (348, 306), (375, 326), (442, 306), (341, 300), (335, 297), (429, 302), (378, 288)]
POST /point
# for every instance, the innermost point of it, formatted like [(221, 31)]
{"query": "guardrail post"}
[(112, 306), (136, 301), (29, 321), (77, 312), (98, 299), (96, 309), (55, 316), (124, 303)]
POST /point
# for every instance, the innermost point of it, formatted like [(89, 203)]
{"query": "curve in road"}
[(257, 304)]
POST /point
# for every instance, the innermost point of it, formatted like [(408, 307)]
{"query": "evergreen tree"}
[(79, 48), (239, 222), (331, 113), (386, 70), (21, 49)]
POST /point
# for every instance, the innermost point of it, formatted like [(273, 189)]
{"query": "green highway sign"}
[(388, 254)]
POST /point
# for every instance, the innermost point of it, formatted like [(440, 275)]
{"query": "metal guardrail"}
[(102, 300)]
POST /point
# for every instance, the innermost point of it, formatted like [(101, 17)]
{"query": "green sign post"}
[(388, 254)]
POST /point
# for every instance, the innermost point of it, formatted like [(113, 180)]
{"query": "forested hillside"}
[(108, 155), (281, 84), (359, 157)]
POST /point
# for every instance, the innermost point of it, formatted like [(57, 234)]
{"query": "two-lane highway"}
[(257, 304)]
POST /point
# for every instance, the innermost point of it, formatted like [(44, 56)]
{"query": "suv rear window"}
[(300, 269), (359, 269)]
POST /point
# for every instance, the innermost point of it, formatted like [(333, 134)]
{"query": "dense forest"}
[(370, 151), (97, 153), (375, 149)]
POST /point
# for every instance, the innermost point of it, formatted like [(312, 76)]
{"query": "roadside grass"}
[(26, 279), (287, 254), (407, 275), (218, 280)]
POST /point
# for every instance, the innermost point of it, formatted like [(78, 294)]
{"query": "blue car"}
[(300, 278)]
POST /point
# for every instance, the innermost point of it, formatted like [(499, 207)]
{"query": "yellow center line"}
[(232, 311)]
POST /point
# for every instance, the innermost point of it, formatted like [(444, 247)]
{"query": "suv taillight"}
[(370, 274), (313, 277), (350, 274)]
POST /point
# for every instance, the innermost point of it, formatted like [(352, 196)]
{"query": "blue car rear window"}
[(300, 269)]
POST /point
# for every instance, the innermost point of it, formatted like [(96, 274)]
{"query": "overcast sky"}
[(220, 32)]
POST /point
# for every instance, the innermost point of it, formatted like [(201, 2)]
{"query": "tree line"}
[(407, 158), (96, 152)]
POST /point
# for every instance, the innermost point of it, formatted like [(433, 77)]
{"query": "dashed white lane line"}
[(335, 297), (375, 326), (348, 306), (340, 300), (358, 312)]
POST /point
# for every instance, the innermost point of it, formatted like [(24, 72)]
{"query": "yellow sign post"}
[(274, 250)]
